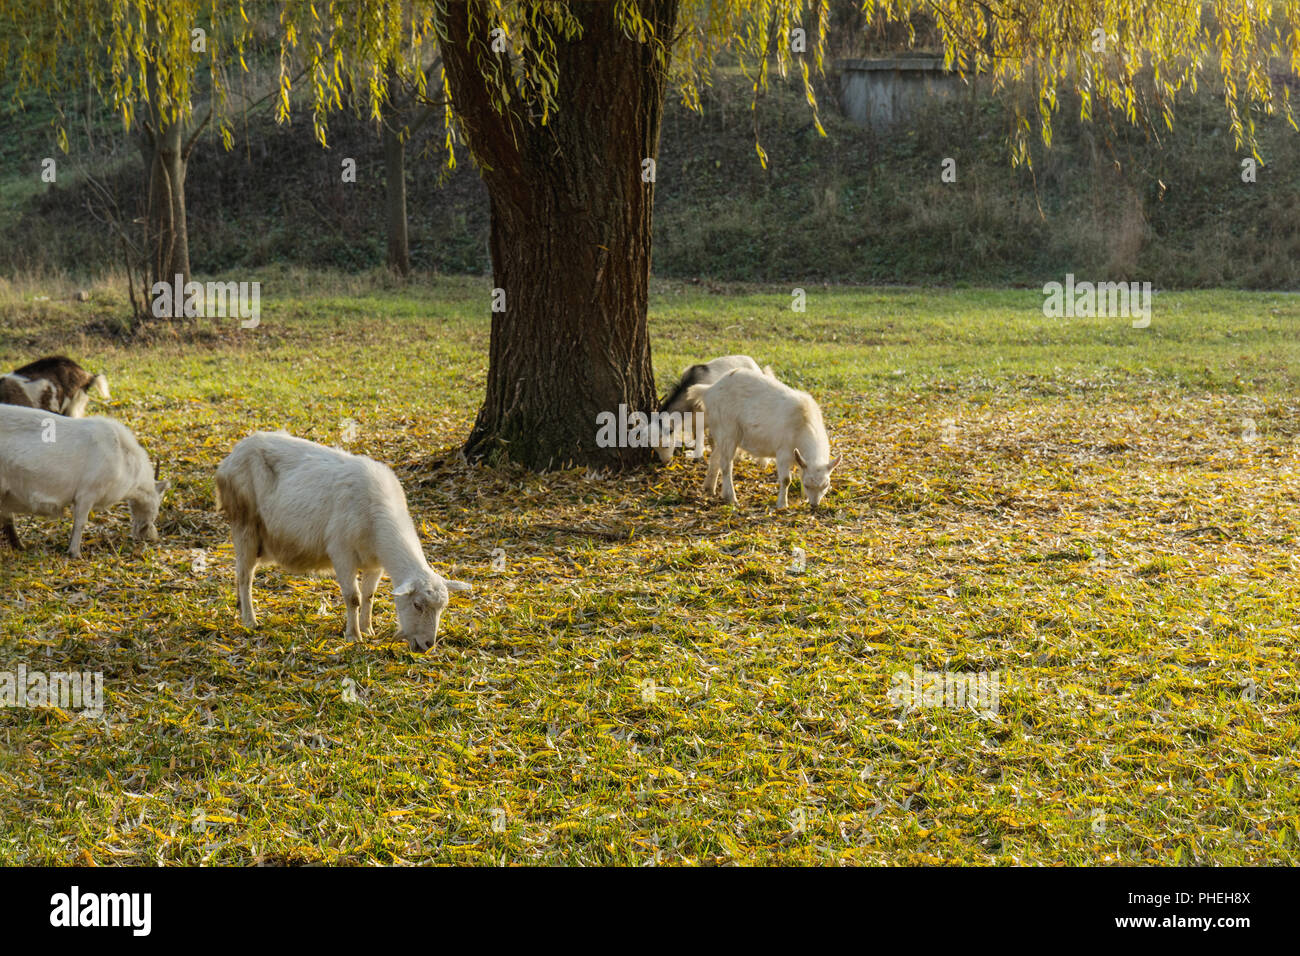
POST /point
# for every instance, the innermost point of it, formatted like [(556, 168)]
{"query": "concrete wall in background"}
[(881, 93)]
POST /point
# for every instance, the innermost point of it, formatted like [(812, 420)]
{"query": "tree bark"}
[(166, 154), (399, 248), (166, 159), (571, 218)]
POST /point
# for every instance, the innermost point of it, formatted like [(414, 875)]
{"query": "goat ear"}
[(798, 459), (405, 588), (459, 586), (835, 462), (161, 487)]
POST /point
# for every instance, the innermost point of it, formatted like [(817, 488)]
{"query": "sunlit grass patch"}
[(642, 675)]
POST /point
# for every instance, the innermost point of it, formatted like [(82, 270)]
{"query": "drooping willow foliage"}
[(1112, 51), (139, 54), (140, 57)]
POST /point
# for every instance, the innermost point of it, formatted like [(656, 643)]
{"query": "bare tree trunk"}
[(166, 155), (399, 249), (571, 205), (165, 222)]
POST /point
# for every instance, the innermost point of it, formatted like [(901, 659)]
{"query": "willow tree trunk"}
[(399, 247), (571, 209), (166, 155), (168, 234)]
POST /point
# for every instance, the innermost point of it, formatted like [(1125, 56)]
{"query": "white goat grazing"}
[(754, 412), (678, 404), (48, 462), (309, 508)]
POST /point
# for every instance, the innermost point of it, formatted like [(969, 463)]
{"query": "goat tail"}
[(767, 370), (100, 384), (236, 498), (231, 501)]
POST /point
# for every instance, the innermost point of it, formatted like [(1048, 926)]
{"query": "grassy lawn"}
[(1102, 519)]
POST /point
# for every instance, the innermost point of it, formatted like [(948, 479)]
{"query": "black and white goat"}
[(678, 406)]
